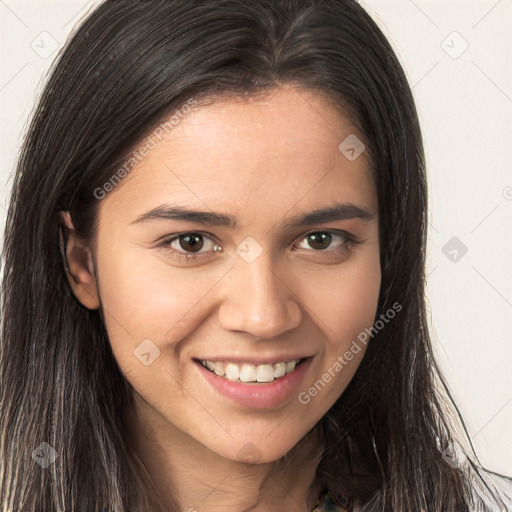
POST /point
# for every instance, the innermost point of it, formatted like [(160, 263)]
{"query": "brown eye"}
[(190, 242), (319, 240), (322, 240), (189, 246)]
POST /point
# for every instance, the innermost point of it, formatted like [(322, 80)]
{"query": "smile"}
[(262, 386), (247, 372)]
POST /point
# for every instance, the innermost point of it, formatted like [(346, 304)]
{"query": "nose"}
[(258, 300)]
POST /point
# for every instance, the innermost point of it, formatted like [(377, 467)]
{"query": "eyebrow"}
[(323, 215)]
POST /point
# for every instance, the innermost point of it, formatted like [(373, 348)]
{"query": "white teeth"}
[(232, 371), (265, 373), (250, 372), (218, 369), (280, 369), (290, 366)]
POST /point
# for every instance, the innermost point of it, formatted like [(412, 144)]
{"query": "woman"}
[(225, 294)]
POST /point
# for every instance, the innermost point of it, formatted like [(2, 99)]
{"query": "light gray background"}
[(464, 98)]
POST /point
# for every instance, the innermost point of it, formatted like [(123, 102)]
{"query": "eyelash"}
[(348, 245)]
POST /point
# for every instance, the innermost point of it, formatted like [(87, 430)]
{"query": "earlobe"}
[(78, 263)]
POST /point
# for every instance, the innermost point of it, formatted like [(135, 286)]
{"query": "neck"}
[(199, 479)]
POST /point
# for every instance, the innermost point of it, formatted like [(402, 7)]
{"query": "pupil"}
[(316, 240), (193, 241)]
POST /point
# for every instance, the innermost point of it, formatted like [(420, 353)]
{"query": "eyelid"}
[(333, 231), (166, 241), (350, 240)]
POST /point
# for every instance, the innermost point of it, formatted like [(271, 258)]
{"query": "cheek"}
[(146, 298), (345, 310), (143, 298), (344, 301), (357, 301)]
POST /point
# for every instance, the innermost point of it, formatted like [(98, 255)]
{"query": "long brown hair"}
[(128, 66)]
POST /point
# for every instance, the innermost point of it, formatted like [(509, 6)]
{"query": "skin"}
[(262, 160)]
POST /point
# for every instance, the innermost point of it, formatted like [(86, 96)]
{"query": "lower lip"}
[(258, 395)]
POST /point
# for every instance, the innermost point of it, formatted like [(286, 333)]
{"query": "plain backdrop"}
[(457, 57)]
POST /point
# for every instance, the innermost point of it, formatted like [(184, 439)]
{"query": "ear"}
[(78, 262)]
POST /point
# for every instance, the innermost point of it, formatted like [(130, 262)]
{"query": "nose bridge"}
[(258, 300)]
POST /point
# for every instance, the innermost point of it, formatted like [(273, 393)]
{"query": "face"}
[(249, 285)]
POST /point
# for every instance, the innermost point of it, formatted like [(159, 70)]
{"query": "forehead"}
[(284, 146)]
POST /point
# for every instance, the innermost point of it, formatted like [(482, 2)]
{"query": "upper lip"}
[(253, 360)]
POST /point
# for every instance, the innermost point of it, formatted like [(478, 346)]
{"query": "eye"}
[(195, 245), (189, 245), (322, 240)]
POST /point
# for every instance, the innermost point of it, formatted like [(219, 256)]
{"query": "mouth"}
[(265, 386), (251, 373)]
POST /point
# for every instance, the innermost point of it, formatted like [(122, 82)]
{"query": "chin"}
[(259, 450)]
